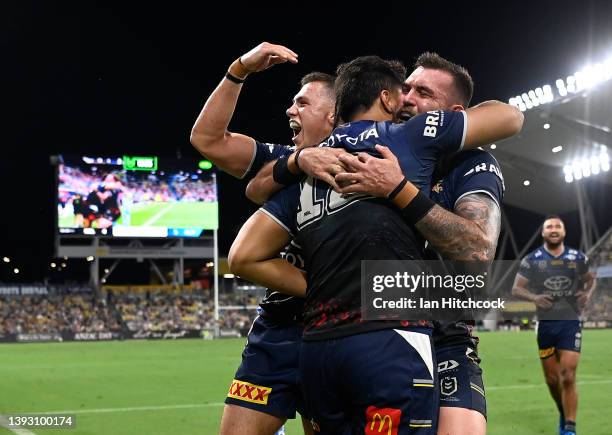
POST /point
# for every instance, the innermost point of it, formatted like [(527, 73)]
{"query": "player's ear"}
[(385, 98), (457, 108), (331, 118)]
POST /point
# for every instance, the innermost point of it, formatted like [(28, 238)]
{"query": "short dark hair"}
[(327, 79), (360, 82), (464, 85)]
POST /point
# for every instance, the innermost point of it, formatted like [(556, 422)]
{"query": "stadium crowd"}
[(133, 311)]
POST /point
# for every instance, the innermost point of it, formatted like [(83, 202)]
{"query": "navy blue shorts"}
[(381, 382), (460, 378), (559, 334), (268, 377)]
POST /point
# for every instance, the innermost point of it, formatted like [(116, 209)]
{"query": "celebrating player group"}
[(381, 168)]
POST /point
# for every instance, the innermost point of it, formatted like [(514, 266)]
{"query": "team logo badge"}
[(448, 386), (447, 365)]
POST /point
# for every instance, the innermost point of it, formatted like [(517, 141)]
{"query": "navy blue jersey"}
[(336, 232), (417, 143), (473, 171), (264, 153), (559, 277), (275, 305)]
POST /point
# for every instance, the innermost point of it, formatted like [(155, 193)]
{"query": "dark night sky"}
[(104, 78)]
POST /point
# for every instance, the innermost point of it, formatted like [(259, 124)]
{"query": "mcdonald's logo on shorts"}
[(249, 392), (383, 421)]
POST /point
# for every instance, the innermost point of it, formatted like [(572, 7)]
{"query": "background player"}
[(556, 278)]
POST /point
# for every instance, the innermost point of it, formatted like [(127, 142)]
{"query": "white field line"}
[(218, 404)]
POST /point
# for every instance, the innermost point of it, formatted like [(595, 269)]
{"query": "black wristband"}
[(234, 79), (398, 189), (282, 174), (297, 156), (417, 208)]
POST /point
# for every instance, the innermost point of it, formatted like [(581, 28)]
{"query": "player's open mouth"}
[(296, 127), (404, 115)]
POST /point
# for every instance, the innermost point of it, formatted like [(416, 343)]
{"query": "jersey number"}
[(317, 199)]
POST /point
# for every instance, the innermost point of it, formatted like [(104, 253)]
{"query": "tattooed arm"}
[(470, 233)]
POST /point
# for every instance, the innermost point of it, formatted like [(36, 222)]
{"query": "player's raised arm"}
[(491, 121), (233, 152)]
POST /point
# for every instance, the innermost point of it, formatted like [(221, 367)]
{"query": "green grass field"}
[(171, 387), (168, 214)]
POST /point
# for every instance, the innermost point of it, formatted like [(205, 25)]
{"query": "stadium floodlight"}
[(53, 264), (548, 95), (546, 126), (604, 161), (586, 78), (595, 165), (571, 84), (229, 275), (16, 271), (210, 264), (557, 149), (493, 146), (584, 167), (576, 170), (533, 97), (6, 260), (526, 183), (90, 258), (63, 264)]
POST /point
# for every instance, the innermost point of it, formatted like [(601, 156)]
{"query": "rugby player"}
[(557, 279), (265, 391), (470, 185)]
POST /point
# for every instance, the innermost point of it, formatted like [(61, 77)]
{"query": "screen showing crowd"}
[(103, 196)]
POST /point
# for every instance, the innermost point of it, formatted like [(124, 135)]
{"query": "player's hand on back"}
[(367, 174), (543, 301), (265, 55), (323, 163)]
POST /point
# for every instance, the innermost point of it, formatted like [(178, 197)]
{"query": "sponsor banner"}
[(147, 288), (92, 336), (42, 290), (38, 337), (165, 335)]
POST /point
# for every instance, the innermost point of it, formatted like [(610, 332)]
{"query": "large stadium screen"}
[(125, 196)]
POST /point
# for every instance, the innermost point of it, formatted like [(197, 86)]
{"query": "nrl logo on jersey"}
[(437, 187)]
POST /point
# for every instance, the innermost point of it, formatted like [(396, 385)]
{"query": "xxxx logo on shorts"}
[(249, 392)]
